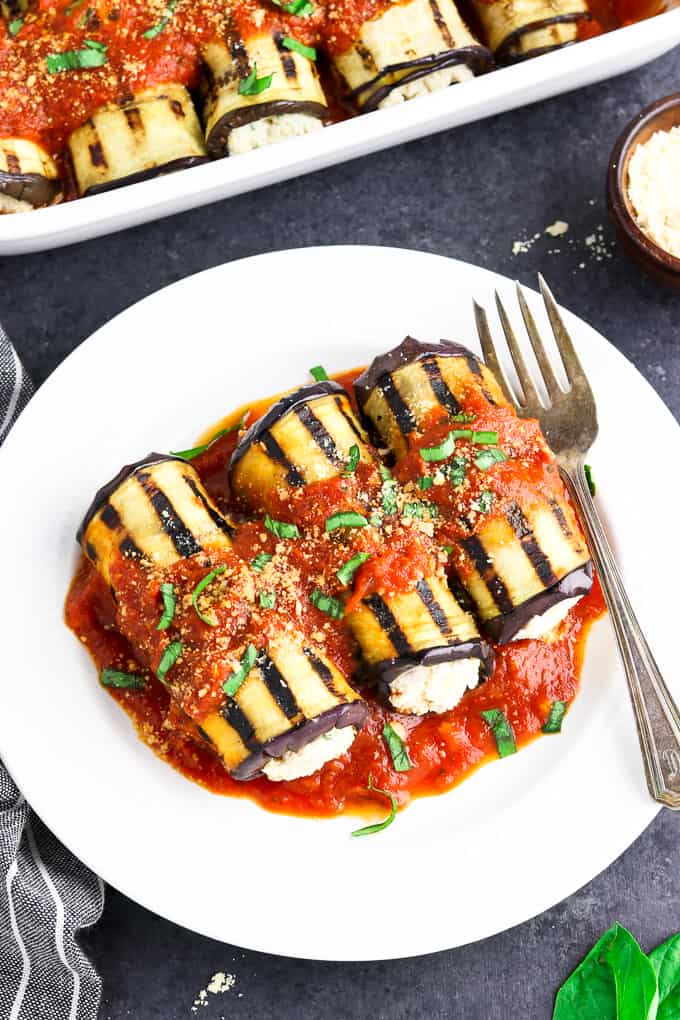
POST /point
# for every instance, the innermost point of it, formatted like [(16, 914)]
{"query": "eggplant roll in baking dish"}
[(309, 458), (407, 51), (28, 176), (138, 137), (517, 29), (292, 104), (517, 548), (277, 705)]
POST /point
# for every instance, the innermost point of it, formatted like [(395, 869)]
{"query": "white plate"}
[(569, 68), (516, 837)]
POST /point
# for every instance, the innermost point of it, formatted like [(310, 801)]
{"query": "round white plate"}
[(516, 837)]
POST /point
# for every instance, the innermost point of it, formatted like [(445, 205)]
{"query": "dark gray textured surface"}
[(469, 193)]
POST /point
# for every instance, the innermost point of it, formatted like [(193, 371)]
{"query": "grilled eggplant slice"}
[(420, 646), (525, 563), (294, 710), (407, 51), (293, 104), (139, 137), (28, 176), (518, 29)]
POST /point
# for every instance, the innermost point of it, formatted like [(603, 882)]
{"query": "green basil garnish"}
[(485, 438), (388, 493), (354, 458), (455, 471), (319, 373), (439, 452), (484, 502), (327, 604), (300, 8), (261, 560), (502, 731), (426, 482), (267, 599), (589, 478), (553, 723), (397, 749), (202, 584), (232, 684), (419, 511), (282, 529), (298, 47), (251, 85), (368, 830), (348, 569), (15, 26), (93, 55), (345, 519), (487, 458), (155, 30), (169, 605), (168, 659), (463, 416), (448, 549), (125, 681), (196, 451)]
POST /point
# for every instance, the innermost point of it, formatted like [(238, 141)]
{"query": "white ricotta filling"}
[(434, 688), (270, 130), (543, 625), (434, 82), (13, 205), (295, 764), (653, 173)]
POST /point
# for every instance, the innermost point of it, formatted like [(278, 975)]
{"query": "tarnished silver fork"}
[(569, 423)]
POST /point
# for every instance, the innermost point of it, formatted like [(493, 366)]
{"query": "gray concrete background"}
[(470, 193)]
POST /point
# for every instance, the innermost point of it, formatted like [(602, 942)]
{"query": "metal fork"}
[(569, 423)]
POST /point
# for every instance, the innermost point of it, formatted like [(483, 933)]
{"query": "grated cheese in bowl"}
[(653, 191)]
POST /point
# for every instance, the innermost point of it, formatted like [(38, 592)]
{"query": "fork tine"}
[(570, 359), (549, 378), (526, 383), (490, 355)]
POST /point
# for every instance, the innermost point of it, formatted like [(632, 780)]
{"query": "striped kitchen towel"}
[(46, 894)]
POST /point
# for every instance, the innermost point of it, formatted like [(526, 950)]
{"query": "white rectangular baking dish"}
[(565, 69)]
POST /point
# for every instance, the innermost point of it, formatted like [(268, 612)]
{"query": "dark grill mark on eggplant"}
[(319, 433), (288, 64), (441, 25), (13, 164), (432, 606), (402, 414), (487, 396), (349, 418), (459, 592), (484, 567), (239, 721), (218, 520), (177, 109), (441, 391), (109, 516), (383, 615), (277, 686), (134, 120), (91, 552), (97, 155), (182, 538), (366, 56), (558, 513), (534, 553), (321, 669), (130, 548), (473, 364), (274, 451)]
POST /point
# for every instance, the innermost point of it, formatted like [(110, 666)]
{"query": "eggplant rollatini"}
[(276, 704), (28, 176), (292, 104), (518, 550), (136, 138), (407, 51), (309, 457), (518, 29)]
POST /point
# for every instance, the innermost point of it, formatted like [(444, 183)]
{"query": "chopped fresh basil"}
[(419, 510), (368, 830), (319, 373), (502, 731), (385, 473), (345, 519), (125, 681), (463, 416), (487, 458), (168, 659), (348, 569), (354, 458), (202, 584), (397, 748), (439, 452), (15, 26), (196, 451), (233, 682), (267, 599), (426, 482), (298, 47), (282, 529), (327, 604), (589, 478), (388, 493), (93, 55), (300, 8), (260, 562), (448, 549), (485, 438), (456, 470), (462, 434), (252, 85), (553, 723), (375, 520), (484, 502), (155, 30), (169, 605)]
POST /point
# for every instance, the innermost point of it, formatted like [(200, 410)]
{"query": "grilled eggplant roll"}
[(407, 51), (292, 105), (422, 649), (522, 558), (28, 176), (292, 710), (139, 137), (518, 29)]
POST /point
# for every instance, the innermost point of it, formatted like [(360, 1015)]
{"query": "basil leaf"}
[(195, 451), (202, 584), (354, 458), (368, 830), (462, 434), (388, 491), (15, 26), (615, 981), (318, 372), (502, 731), (252, 85), (345, 519), (419, 510), (665, 960), (300, 8), (485, 438), (125, 681), (484, 502), (426, 482), (448, 549), (375, 520), (487, 458), (169, 605), (456, 470), (267, 599), (440, 452), (282, 529), (463, 416), (233, 682), (261, 560), (327, 604), (76, 60), (168, 659), (397, 749), (348, 569), (589, 478), (155, 30), (298, 47), (553, 723)]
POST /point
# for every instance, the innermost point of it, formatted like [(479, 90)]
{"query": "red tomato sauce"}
[(528, 677)]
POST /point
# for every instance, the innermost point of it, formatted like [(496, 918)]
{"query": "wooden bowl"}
[(660, 116)]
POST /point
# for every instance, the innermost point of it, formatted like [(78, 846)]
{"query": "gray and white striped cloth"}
[(46, 894)]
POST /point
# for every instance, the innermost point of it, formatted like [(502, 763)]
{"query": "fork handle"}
[(656, 714)]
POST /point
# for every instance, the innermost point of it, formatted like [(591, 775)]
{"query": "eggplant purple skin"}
[(503, 628), (183, 163), (102, 495), (383, 674), (352, 714), (504, 54), (218, 138), (32, 188)]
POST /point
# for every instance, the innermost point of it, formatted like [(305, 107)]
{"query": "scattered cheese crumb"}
[(557, 229), (218, 984)]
